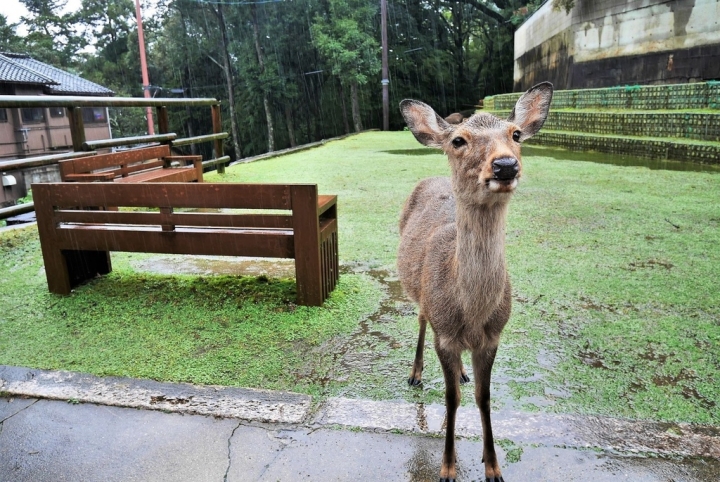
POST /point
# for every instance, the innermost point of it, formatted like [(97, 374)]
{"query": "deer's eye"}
[(458, 142), (516, 136)]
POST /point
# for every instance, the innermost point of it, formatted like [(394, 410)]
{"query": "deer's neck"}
[(480, 258)]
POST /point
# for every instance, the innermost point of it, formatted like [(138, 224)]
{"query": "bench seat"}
[(148, 164)]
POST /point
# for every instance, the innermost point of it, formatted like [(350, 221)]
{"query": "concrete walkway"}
[(59, 426)]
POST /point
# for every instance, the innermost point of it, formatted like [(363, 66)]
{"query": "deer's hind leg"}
[(417, 369)]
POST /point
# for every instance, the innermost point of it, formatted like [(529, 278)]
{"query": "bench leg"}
[(85, 265), (66, 269), (308, 252)]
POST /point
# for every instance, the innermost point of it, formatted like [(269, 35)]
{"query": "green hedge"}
[(703, 95), (682, 125), (638, 147)]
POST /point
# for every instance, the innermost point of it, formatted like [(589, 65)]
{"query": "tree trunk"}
[(344, 109), (266, 102), (228, 80), (355, 106), (289, 122), (185, 83)]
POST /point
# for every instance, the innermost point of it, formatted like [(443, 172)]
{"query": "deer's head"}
[(484, 151)]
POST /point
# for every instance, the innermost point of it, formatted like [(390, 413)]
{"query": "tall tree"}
[(9, 40), (261, 64), (52, 35), (227, 69), (345, 36)]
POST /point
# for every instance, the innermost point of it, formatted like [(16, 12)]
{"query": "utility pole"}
[(143, 68), (385, 81)]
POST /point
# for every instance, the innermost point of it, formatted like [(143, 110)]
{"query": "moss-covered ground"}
[(614, 269)]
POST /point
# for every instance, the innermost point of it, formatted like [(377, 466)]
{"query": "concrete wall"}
[(602, 43)]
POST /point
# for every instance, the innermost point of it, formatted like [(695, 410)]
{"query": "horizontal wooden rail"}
[(186, 195), (197, 219), (41, 160), (69, 101), (220, 160), (198, 139), (127, 141), (16, 210)]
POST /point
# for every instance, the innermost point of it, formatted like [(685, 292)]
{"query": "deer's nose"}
[(505, 168)]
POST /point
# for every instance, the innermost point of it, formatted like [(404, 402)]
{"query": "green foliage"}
[(345, 36), (566, 5), (52, 36), (321, 59), (9, 40)]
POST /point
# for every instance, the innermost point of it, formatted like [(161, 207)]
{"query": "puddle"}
[(216, 265), (616, 160), (361, 351)]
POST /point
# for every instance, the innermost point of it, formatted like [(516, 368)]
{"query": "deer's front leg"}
[(451, 367), (483, 359)]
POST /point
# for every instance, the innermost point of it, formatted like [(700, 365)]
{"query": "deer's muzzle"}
[(505, 168)]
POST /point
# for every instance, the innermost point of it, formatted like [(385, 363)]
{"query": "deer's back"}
[(427, 229)]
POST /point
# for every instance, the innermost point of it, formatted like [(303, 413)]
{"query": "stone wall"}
[(602, 43)]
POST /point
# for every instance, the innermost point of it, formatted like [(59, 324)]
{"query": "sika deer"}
[(451, 259)]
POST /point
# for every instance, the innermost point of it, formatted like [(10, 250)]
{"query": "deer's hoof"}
[(464, 378), (494, 479), (414, 382), (446, 479)]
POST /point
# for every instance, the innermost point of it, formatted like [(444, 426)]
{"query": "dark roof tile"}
[(12, 71), (16, 67)]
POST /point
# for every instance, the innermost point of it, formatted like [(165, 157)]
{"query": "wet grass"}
[(224, 330), (614, 269)]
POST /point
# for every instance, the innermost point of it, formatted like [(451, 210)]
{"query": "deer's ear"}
[(428, 128), (532, 109)]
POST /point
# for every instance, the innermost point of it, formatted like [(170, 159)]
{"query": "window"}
[(94, 115), (57, 111), (3, 115), (33, 115)]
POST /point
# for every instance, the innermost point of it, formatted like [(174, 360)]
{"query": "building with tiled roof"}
[(23, 69), (32, 131)]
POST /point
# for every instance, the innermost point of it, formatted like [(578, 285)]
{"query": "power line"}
[(238, 2)]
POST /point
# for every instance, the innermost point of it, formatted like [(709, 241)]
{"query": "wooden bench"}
[(76, 242), (148, 164)]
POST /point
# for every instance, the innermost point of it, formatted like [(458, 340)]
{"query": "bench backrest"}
[(63, 206), (121, 163)]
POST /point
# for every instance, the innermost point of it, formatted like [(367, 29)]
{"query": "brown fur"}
[(451, 259)]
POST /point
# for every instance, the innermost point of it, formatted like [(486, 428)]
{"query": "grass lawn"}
[(614, 269)]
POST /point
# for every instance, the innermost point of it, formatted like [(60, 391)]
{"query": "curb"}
[(548, 429)]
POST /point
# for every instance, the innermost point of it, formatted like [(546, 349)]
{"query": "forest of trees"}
[(287, 72)]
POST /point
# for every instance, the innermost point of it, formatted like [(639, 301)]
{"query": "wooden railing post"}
[(217, 128), (163, 120), (77, 128)]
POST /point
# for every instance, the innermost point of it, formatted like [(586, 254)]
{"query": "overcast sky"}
[(13, 9)]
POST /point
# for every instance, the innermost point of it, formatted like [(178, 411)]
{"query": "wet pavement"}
[(50, 430)]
